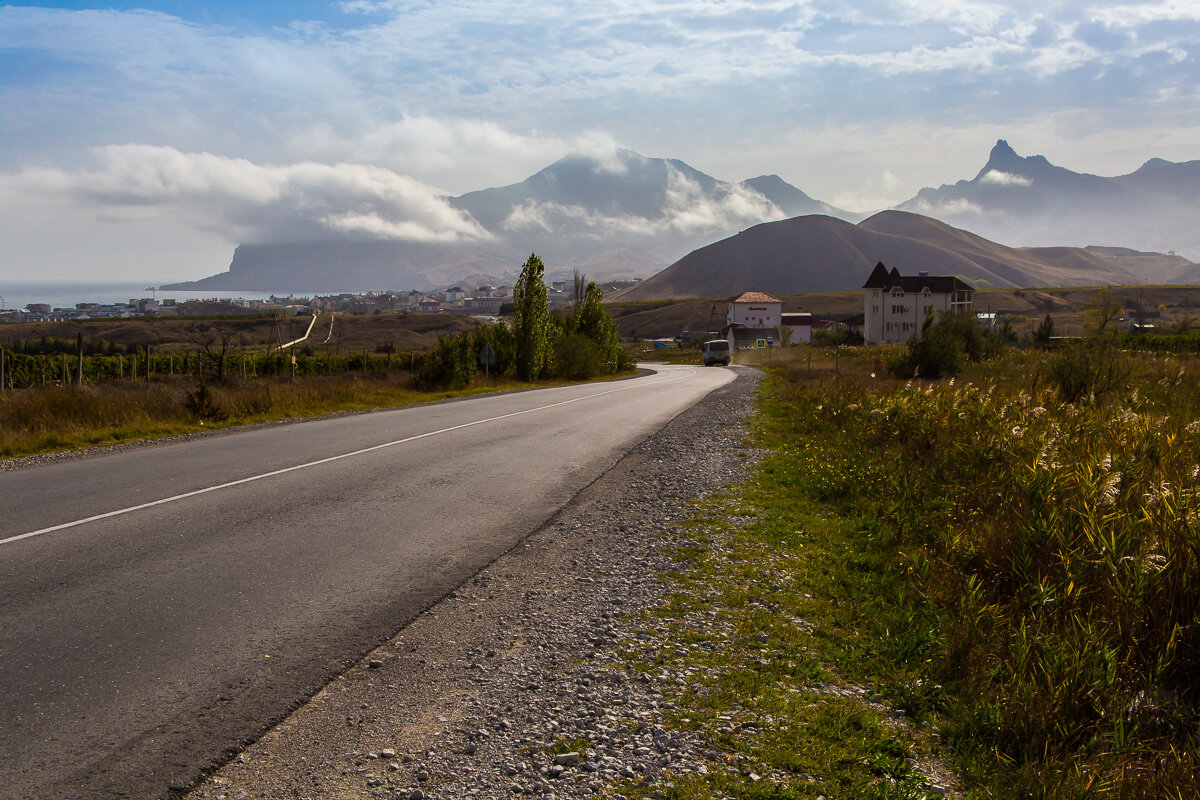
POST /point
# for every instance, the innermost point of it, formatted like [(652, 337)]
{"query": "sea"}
[(17, 294)]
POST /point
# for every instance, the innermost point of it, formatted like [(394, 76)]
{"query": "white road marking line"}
[(273, 473)]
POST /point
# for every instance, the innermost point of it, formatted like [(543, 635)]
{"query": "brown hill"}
[(822, 254)]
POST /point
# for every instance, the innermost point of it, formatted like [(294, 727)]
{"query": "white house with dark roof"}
[(796, 328), (895, 305)]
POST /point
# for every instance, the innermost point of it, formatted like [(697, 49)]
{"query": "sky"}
[(144, 141)]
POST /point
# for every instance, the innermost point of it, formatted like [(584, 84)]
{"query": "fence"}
[(23, 370)]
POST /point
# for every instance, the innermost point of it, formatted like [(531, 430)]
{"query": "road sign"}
[(487, 356), (761, 344)]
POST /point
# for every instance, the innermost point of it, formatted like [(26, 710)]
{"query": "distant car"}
[(716, 352)]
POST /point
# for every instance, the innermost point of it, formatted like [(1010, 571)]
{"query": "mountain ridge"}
[(614, 215), (1029, 201), (622, 214), (818, 253)]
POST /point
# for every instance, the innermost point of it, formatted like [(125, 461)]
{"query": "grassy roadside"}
[(788, 667), (971, 571), (57, 418)]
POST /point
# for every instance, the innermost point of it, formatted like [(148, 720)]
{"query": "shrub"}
[(576, 357), (203, 405), (1088, 370), (451, 363), (937, 352)]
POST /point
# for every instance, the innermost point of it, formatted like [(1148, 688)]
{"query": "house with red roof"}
[(755, 310)]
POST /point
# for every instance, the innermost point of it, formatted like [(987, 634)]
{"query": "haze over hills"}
[(818, 253), (1029, 201), (793, 202), (617, 216), (622, 215)]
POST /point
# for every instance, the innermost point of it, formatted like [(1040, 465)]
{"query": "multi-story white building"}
[(894, 305)]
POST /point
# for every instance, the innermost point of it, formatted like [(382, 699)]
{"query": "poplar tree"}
[(531, 320), (593, 321)]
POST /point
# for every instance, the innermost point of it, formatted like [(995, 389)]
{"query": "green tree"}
[(531, 321), (1102, 310), (593, 321), (940, 350), (1045, 331)]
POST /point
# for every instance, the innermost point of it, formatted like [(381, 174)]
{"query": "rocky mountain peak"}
[(1003, 159)]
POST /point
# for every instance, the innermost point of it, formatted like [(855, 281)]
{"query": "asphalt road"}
[(161, 606)]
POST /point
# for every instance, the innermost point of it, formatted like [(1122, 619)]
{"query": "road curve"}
[(161, 606)]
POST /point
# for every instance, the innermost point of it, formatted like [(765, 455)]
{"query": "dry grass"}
[(52, 418)]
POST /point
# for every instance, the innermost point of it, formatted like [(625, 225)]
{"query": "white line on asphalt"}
[(328, 460)]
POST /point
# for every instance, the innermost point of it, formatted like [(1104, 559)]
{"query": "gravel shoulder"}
[(513, 684)]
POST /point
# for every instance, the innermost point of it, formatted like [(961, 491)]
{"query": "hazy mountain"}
[(1150, 267), (792, 201), (1029, 201), (818, 253), (624, 215), (618, 216)]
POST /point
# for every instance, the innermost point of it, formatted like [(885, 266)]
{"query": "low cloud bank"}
[(998, 178), (688, 210), (252, 202)]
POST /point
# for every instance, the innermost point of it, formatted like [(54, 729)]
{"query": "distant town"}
[(483, 300)]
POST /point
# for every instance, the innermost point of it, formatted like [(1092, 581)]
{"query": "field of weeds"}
[(1046, 557)]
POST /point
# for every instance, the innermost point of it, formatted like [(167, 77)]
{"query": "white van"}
[(716, 352)]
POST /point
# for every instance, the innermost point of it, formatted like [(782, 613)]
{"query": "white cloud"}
[(454, 154), (873, 194), (253, 202), (944, 209), (688, 209), (1138, 14), (998, 178), (834, 96)]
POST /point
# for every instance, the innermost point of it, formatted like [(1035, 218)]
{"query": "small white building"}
[(796, 328), (455, 294), (895, 305), (755, 310)]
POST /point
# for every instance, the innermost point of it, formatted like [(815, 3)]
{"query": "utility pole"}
[(837, 350)]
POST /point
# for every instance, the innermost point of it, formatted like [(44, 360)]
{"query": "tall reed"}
[(1061, 542)]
